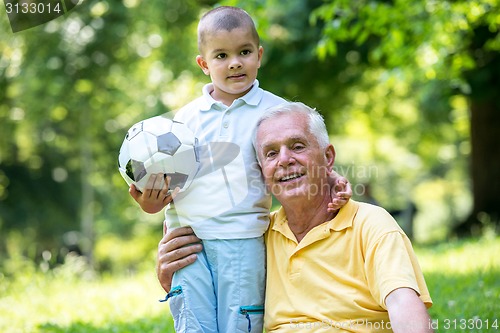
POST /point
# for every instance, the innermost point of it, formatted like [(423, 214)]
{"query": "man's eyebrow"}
[(266, 146), (292, 139)]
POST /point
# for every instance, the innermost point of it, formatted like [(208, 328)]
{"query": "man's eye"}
[(270, 154), (298, 147)]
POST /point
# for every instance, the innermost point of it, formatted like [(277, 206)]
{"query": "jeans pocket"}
[(253, 314)]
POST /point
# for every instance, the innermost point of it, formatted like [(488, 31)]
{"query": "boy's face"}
[(232, 59)]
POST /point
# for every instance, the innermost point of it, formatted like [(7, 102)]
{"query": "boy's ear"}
[(203, 64), (261, 52)]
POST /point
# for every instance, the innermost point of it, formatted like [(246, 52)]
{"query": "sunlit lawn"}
[(63, 302), (464, 281), (463, 277)]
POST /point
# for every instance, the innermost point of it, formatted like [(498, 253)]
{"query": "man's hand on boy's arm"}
[(341, 191), (177, 249), (156, 194)]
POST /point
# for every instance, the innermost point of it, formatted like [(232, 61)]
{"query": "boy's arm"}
[(156, 194), (341, 191)]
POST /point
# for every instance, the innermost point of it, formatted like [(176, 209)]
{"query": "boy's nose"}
[(235, 64)]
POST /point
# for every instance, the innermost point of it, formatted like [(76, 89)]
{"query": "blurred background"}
[(409, 90)]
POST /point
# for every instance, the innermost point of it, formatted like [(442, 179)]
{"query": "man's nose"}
[(285, 157)]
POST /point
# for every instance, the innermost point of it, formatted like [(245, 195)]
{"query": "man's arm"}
[(177, 249), (407, 312)]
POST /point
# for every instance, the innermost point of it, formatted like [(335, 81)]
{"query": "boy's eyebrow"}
[(217, 51), (239, 47)]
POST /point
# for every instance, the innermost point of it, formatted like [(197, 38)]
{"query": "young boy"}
[(228, 208)]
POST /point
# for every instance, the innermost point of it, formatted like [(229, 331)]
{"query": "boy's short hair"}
[(224, 18)]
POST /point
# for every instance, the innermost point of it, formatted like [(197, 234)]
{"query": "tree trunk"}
[(484, 81), (485, 168)]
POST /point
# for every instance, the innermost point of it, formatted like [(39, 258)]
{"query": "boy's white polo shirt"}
[(228, 200)]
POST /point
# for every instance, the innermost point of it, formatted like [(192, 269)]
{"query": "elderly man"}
[(353, 270)]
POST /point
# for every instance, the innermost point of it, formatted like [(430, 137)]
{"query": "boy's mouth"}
[(236, 76)]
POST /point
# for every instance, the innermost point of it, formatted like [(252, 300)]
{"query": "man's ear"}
[(330, 156), (203, 64)]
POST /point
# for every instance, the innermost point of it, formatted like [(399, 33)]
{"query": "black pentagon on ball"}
[(168, 143), (135, 170), (177, 179)]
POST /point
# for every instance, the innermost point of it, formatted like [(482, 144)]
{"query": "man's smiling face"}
[(293, 163)]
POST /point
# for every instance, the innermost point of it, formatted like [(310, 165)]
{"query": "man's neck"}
[(304, 215)]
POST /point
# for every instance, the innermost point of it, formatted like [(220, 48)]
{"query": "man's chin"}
[(283, 194)]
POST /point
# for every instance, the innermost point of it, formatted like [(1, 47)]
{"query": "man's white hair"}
[(316, 123)]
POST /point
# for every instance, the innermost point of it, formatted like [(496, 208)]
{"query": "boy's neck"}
[(225, 98)]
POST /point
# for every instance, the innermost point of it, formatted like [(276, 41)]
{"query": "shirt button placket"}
[(225, 123)]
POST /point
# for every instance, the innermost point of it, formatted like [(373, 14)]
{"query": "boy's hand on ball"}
[(156, 194)]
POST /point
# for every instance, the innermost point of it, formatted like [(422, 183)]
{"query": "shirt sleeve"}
[(391, 264)]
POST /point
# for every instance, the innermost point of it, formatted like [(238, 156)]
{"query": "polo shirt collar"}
[(343, 220), (281, 224), (253, 97), (345, 217)]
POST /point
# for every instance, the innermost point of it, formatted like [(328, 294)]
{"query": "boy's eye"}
[(221, 56), (245, 52)]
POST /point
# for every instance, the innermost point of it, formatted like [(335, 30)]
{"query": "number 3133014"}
[(472, 323), (33, 8)]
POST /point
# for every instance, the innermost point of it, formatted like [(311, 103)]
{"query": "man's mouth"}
[(290, 177)]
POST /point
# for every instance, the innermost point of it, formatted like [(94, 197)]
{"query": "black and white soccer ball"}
[(159, 145)]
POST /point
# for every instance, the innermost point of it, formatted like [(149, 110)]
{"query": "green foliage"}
[(69, 91), (426, 35), (119, 254)]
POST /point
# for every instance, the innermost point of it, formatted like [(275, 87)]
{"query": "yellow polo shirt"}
[(338, 276)]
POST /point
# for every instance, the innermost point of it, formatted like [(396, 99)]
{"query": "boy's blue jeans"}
[(223, 290)]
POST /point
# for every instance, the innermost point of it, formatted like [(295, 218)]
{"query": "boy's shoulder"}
[(256, 97), (268, 99), (196, 104)]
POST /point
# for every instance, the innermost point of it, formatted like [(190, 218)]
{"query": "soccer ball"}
[(159, 145)]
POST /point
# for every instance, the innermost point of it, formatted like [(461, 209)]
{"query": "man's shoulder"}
[(373, 218)]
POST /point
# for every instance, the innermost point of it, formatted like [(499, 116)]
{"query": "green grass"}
[(464, 282), (463, 278), (71, 299)]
